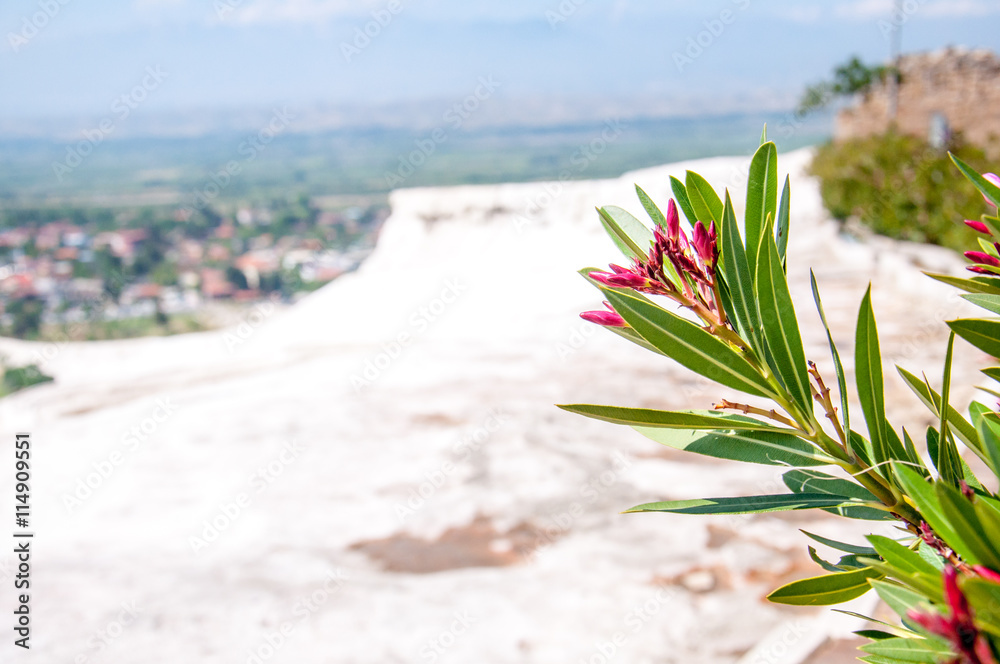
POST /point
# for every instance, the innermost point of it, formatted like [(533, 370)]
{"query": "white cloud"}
[(299, 11), (865, 10)]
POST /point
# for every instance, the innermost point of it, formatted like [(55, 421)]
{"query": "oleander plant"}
[(737, 327)]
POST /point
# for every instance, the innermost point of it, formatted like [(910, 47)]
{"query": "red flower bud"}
[(673, 220), (606, 318), (982, 257), (987, 573), (978, 226)]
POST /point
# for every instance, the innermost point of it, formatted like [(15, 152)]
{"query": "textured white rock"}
[(509, 342)]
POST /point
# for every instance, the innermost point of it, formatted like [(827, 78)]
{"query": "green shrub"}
[(899, 186)]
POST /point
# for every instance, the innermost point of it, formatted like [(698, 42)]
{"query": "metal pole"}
[(894, 46)]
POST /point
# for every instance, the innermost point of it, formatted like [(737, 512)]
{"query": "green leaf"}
[(868, 373), (982, 333), (738, 277), (988, 428), (829, 567), (688, 344), (634, 337), (763, 135), (629, 234), (683, 202), (900, 599), (932, 400), (781, 330), (677, 419), (973, 285), (929, 505), (910, 650), (838, 366), (705, 203), (812, 481), (985, 187), (903, 558), (971, 544), (989, 302), (985, 597), (781, 502), (825, 590), (947, 459), (764, 447), (841, 546), (762, 197), (651, 209), (783, 221), (992, 372), (874, 634)]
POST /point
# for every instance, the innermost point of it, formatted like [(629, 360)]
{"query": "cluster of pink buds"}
[(964, 637), (986, 263), (693, 261)]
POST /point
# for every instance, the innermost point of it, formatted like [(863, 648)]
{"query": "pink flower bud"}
[(606, 318), (986, 573), (956, 599), (983, 258), (627, 280), (995, 179), (673, 220), (979, 269), (978, 226)]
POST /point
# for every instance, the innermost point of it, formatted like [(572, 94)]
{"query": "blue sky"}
[(221, 54)]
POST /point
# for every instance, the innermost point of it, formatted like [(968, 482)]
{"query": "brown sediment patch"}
[(477, 544), (699, 579), (435, 419), (718, 536)]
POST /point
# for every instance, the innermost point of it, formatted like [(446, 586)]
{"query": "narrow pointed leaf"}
[(837, 364), (751, 446), (704, 420), (705, 203), (825, 590), (988, 301), (783, 220), (974, 285), (629, 234), (762, 197), (983, 333), (781, 330), (929, 505), (973, 547), (985, 187), (947, 458), (781, 502), (961, 426), (683, 202), (905, 559), (812, 481), (738, 277), (868, 372), (651, 208), (688, 344), (910, 650), (841, 546)]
